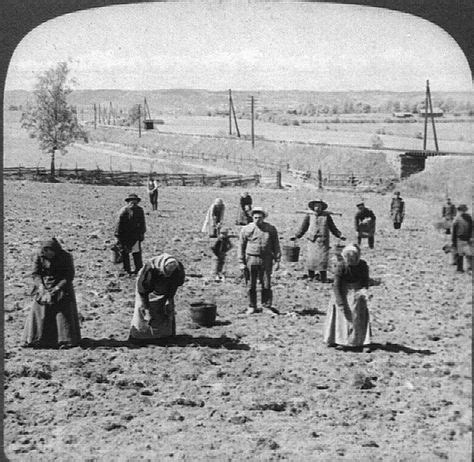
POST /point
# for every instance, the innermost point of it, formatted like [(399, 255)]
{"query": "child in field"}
[(220, 249)]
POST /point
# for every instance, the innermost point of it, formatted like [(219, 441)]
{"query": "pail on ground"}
[(203, 313), (291, 252)]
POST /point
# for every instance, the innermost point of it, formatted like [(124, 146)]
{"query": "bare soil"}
[(255, 387)]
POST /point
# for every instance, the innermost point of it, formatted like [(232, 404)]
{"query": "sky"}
[(253, 46)]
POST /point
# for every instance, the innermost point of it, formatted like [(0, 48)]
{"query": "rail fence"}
[(99, 176)]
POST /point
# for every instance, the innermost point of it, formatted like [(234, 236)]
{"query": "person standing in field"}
[(347, 319), (220, 249), (365, 224), (317, 224), (53, 321), (156, 286), (462, 238), (130, 233), (214, 218), (245, 206), (397, 210), (152, 188), (448, 213), (259, 249)]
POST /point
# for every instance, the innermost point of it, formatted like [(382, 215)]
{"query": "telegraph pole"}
[(95, 116), (139, 121), (252, 124), (230, 111), (432, 114)]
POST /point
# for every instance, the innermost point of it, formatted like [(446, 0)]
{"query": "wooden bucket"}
[(291, 252), (203, 313), (115, 255)]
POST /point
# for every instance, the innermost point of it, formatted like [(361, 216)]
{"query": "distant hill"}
[(202, 102)]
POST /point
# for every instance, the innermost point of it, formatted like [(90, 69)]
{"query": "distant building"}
[(437, 112), (402, 115)]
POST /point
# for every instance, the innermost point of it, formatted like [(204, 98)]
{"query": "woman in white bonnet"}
[(214, 218), (347, 320), (156, 286)]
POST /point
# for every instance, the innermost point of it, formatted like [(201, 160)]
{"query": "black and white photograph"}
[(237, 231)]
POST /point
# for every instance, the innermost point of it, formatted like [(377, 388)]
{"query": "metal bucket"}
[(291, 253), (203, 313), (115, 255)]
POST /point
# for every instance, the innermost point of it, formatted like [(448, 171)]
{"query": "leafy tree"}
[(50, 118)]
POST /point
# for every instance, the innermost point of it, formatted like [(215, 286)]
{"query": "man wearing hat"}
[(365, 224), (130, 232), (317, 224), (462, 238), (259, 248), (397, 210)]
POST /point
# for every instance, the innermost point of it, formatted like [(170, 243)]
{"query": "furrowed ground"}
[(259, 387)]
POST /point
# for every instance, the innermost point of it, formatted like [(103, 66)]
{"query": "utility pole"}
[(252, 124), (429, 104), (235, 117), (95, 116), (139, 121), (230, 111)]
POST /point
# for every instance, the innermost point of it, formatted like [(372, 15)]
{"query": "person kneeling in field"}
[(347, 319), (53, 321), (156, 286)]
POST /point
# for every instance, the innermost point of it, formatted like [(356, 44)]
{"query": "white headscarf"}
[(351, 254), (165, 263)]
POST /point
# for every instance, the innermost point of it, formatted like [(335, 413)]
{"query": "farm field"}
[(260, 387), (403, 137)]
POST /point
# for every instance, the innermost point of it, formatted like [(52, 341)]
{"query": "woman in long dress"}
[(156, 286), (214, 218), (53, 321), (347, 319), (317, 225)]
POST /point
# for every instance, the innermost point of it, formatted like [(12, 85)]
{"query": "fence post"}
[(320, 179), (278, 179)]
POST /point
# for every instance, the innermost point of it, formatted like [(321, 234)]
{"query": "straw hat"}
[(258, 210), (312, 204)]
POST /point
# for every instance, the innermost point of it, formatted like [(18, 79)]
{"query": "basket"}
[(291, 252), (203, 313), (116, 255)]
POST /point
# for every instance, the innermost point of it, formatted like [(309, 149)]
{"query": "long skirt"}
[(317, 255), (349, 326), (157, 322), (50, 326)]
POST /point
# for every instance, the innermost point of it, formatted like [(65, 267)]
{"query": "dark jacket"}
[(362, 215), (448, 211), (151, 280), (221, 246), (462, 228), (350, 274), (130, 225)]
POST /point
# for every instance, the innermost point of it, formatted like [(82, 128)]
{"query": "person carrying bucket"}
[(317, 224)]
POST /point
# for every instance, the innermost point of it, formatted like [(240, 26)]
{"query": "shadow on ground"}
[(179, 340), (396, 348)]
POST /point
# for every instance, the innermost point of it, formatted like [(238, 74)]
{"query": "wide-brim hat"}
[(258, 210), (462, 207), (132, 197), (360, 203), (312, 204)]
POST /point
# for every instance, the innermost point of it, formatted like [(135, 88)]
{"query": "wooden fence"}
[(132, 178)]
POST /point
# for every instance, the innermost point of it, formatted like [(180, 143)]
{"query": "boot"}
[(459, 264), (310, 275), (137, 260), (126, 262)]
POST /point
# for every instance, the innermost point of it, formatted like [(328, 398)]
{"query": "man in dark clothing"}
[(397, 210), (130, 232), (220, 249), (448, 212), (462, 238), (365, 224)]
